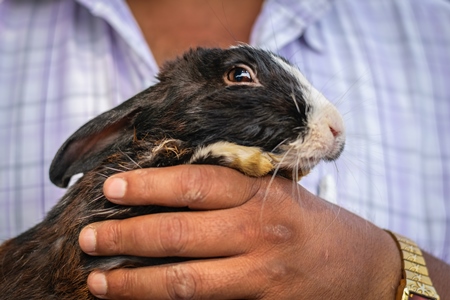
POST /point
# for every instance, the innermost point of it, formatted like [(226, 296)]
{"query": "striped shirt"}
[(384, 63)]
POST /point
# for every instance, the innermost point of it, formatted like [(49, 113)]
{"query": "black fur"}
[(193, 106)]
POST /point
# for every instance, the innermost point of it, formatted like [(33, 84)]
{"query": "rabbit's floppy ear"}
[(93, 142)]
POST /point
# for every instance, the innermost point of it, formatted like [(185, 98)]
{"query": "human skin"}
[(170, 27), (274, 239)]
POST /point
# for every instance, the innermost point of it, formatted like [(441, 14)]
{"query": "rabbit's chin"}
[(253, 161)]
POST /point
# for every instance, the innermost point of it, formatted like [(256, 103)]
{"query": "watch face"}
[(414, 296)]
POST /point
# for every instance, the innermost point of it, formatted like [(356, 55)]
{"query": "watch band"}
[(416, 283)]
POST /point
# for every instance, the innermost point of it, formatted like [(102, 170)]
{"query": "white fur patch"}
[(325, 135)]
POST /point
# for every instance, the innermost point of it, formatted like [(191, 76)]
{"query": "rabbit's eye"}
[(239, 74)]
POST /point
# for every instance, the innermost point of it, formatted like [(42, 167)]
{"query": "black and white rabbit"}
[(242, 107)]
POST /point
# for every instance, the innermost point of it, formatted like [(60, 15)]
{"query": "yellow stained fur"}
[(249, 160), (255, 164)]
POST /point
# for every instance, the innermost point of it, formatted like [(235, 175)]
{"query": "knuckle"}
[(122, 283), (140, 183), (110, 238), (279, 275), (173, 234), (194, 184), (278, 233), (277, 271), (181, 282)]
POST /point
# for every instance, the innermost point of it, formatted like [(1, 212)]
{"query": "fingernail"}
[(97, 284), (88, 240), (115, 188)]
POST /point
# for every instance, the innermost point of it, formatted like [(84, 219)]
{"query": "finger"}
[(194, 186), (184, 234), (230, 278)]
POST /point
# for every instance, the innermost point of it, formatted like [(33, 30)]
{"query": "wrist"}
[(415, 282), (389, 267), (376, 264)]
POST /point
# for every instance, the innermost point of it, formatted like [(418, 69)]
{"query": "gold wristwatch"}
[(416, 283)]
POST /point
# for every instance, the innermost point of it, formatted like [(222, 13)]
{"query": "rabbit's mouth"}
[(297, 158), (292, 165)]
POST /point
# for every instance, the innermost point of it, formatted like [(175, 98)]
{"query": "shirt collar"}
[(118, 15), (279, 23), (283, 21)]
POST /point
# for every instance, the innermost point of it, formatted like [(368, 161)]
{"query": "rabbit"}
[(241, 107)]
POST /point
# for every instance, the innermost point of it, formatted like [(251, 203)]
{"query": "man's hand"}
[(259, 238)]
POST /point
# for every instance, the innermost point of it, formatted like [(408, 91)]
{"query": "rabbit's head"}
[(243, 96)]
